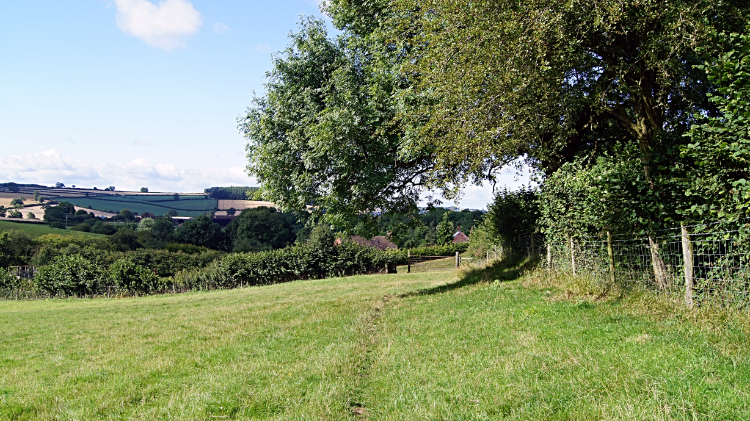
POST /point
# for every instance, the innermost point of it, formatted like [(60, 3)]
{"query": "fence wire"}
[(717, 261)]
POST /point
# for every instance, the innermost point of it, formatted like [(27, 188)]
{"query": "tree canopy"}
[(414, 95)]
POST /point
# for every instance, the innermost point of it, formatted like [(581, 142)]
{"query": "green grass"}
[(37, 230), (387, 347)]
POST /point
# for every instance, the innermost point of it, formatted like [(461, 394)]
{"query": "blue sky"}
[(138, 93)]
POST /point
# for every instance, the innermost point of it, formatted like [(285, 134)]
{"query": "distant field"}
[(37, 230), (158, 205), (429, 346)]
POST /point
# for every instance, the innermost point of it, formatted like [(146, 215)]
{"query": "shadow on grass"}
[(502, 271)]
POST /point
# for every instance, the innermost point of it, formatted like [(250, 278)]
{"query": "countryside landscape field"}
[(474, 345), (375, 210)]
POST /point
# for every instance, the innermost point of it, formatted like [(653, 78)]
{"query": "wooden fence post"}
[(549, 258), (611, 254), (687, 257), (408, 261), (458, 260), (660, 269), (572, 256)]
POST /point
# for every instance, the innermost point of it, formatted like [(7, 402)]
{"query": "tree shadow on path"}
[(502, 270)]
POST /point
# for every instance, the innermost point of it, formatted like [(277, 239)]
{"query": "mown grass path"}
[(390, 347)]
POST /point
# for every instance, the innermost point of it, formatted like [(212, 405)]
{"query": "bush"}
[(57, 224), (15, 248), (289, 264), (127, 276), (69, 275), (8, 281)]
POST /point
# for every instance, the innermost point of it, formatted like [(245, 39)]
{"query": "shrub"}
[(57, 224), (69, 275), (127, 276), (8, 281)]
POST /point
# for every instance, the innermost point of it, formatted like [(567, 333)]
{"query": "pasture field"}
[(486, 345), (158, 205), (37, 230)]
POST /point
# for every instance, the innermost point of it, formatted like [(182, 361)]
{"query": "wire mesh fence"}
[(700, 261)]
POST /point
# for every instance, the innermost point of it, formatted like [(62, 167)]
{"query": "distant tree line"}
[(231, 193)]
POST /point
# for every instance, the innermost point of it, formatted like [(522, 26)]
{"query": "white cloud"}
[(51, 166), (221, 28), (163, 26), (262, 48)]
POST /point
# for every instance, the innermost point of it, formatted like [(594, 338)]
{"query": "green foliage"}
[(444, 231), (125, 239), (324, 132), (185, 248), (163, 229), (15, 248), (258, 229), (720, 145), (127, 215), (8, 281), (15, 214), (12, 187), (67, 208), (69, 276), (612, 194), (145, 224), (129, 277), (201, 231), (2, 211), (321, 237), (57, 225), (143, 189), (512, 213), (17, 203), (483, 240), (171, 212), (548, 81), (231, 193), (284, 265)]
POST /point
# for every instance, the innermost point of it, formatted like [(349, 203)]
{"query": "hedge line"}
[(147, 271), (138, 273)]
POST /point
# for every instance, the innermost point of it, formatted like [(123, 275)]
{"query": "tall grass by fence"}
[(702, 262)]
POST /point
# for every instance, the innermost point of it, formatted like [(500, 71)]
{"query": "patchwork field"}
[(156, 204), (485, 346), (37, 230)]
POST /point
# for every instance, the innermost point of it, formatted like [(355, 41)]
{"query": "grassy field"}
[(485, 346), (37, 230), (140, 204)]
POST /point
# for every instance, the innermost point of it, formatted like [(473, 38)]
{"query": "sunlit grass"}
[(37, 230), (491, 344)]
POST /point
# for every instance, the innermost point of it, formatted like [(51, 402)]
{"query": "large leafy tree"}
[(325, 133), (548, 80)]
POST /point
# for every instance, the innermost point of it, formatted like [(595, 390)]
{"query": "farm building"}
[(459, 237)]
